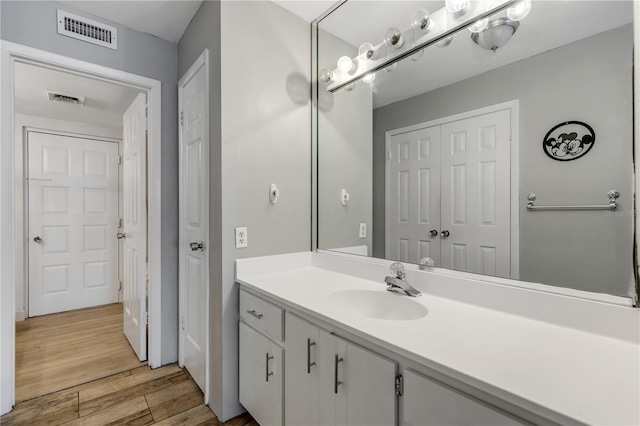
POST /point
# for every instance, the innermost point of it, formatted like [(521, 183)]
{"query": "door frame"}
[(514, 108), (9, 55), (201, 61), (22, 157)]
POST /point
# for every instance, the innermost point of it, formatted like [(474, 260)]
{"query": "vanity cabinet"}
[(427, 402), (330, 381), (261, 376)]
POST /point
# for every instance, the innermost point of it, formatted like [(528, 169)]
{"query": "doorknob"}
[(445, 233), (195, 246), (433, 233), (121, 235), (37, 239)]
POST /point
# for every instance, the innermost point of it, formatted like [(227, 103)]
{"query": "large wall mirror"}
[(505, 151)]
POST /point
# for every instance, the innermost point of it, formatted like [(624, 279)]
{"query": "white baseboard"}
[(20, 315)]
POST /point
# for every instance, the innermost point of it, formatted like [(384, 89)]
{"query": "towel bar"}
[(613, 204)]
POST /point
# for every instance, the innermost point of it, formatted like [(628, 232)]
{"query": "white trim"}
[(11, 53), (203, 60), (636, 159), (514, 108)]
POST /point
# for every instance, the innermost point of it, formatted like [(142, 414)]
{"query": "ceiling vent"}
[(67, 99), (87, 30)]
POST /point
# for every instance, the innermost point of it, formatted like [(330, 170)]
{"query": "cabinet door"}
[(261, 367), (357, 387), (301, 367), (428, 403)]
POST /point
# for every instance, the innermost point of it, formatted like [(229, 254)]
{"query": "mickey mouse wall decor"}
[(569, 141)]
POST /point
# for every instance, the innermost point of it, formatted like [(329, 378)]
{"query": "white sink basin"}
[(382, 304)]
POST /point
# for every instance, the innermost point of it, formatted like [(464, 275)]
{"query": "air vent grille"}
[(87, 30), (65, 98)]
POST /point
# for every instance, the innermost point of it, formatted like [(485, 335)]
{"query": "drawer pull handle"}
[(309, 363), (336, 383), (266, 365), (254, 314)]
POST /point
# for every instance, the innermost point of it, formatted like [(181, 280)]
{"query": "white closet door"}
[(476, 194), (134, 176), (413, 195), (193, 227), (73, 213)]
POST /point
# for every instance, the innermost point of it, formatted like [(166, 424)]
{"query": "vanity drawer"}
[(262, 315)]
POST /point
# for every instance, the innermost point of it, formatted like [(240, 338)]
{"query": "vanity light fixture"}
[(368, 78), (425, 30), (393, 38), (519, 11), (347, 65), (457, 6), (326, 76)]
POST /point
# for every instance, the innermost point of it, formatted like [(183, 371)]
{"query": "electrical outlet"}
[(241, 237), (363, 230)]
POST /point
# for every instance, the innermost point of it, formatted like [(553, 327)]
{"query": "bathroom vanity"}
[(323, 342)]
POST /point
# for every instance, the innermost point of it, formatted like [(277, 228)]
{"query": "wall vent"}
[(87, 30), (65, 98)]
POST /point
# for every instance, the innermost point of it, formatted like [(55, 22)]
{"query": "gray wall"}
[(33, 23), (204, 33), (260, 134), (590, 81), (345, 123)]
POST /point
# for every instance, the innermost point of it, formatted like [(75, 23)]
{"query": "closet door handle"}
[(336, 383), (309, 363), (445, 234), (266, 366), (433, 233)]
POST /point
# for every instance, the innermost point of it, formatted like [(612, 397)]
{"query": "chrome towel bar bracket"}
[(613, 204)]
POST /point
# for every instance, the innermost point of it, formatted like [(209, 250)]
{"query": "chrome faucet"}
[(398, 284)]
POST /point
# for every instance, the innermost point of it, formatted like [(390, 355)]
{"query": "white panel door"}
[(476, 188), (414, 195), (193, 227), (134, 177), (73, 214)]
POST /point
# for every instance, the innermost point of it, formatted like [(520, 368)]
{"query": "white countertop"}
[(545, 368)]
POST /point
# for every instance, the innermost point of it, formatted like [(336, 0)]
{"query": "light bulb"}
[(325, 75), (367, 51), (345, 64), (368, 78), (418, 55), (349, 87), (456, 6), (420, 20), (444, 42), (479, 25), (393, 38), (519, 11), (391, 67)]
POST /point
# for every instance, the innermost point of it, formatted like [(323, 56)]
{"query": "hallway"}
[(58, 351)]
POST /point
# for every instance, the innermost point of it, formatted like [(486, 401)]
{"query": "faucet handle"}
[(426, 262), (398, 269)]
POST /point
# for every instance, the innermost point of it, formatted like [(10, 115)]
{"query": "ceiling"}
[(167, 19), (104, 105), (550, 24), (306, 9)]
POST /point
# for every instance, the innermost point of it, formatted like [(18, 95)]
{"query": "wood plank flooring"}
[(55, 352), (165, 396)]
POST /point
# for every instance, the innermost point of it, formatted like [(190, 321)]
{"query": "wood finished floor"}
[(58, 351), (141, 396)]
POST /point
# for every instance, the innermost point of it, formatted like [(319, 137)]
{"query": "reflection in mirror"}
[(437, 156)]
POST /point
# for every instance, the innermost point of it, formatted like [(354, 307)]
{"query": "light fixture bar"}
[(445, 24)]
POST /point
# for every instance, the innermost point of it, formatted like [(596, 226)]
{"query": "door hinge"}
[(510, 133), (182, 118), (182, 322), (119, 222), (399, 385), (389, 155), (145, 318), (119, 285), (119, 160)]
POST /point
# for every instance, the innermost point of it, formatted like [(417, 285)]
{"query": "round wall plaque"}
[(569, 140)]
